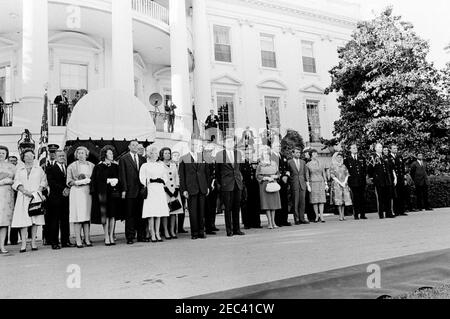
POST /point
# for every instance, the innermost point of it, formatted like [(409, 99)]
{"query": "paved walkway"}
[(185, 268)]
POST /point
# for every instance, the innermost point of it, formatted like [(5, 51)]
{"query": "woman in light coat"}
[(30, 181)]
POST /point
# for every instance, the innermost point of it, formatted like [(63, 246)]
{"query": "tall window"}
[(268, 56), (73, 77), (222, 43), (225, 105), (5, 83), (313, 120), (272, 105), (309, 62)]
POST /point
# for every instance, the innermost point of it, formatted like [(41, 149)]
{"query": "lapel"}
[(133, 163), (295, 166), (193, 162)]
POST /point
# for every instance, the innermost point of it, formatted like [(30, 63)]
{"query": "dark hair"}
[(64, 91), (4, 148), (161, 153), (105, 150), (312, 151), (27, 150), (339, 154), (297, 148), (135, 140)]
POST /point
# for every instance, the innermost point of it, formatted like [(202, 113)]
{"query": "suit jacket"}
[(399, 168), (194, 177), (298, 176), (419, 173), (381, 170), (129, 175), (228, 174), (61, 101), (357, 170), (57, 183)]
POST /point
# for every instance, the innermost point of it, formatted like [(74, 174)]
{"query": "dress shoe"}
[(390, 216), (287, 224), (202, 236), (363, 217), (130, 242), (174, 237), (229, 234), (23, 250), (297, 223), (429, 209), (215, 229), (68, 245), (239, 233), (357, 218), (210, 232), (194, 237), (4, 252), (34, 249), (56, 247), (304, 223), (183, 231)]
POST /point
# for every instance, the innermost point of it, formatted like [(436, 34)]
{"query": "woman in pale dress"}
[(340, 189), (7, 172), (172, 189), (78, 179), (316, 181), (154, 176), (29, 181), (268, 172)]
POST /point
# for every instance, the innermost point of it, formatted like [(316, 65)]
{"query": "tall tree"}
[(388, 91)]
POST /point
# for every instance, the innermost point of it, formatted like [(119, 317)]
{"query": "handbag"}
[(273, 187), (175, 205), (144, 191), (37, 208)]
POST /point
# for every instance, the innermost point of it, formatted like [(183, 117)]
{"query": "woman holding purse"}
[(172, 189), (29, 182), (106, 193), (267, 173), (79, 179), (340, 190)]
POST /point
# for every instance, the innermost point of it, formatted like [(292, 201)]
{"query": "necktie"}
[(136, 160), (63, 169), (230, 154)]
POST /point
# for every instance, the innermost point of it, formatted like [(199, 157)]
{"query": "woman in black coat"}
[(106, 191)]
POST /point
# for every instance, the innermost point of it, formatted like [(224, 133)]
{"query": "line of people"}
[(152, 193)]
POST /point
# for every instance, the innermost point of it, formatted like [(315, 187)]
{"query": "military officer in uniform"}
[(357, 169), (400, 171), (383, 176)]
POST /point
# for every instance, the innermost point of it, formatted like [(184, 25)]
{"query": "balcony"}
[(151, 9)]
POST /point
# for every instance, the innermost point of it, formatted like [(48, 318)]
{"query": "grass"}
[(442, 292)]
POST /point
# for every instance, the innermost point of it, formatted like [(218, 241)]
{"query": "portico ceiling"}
[(150, 42)]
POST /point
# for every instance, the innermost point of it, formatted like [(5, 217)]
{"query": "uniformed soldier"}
[(357, 168), (52, 148), (383, 176), (400, 171)]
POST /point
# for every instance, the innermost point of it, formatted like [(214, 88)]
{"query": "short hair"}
[(339, 154), (151, 148), (25, 151), (312, 151), (394, 144), (105, 150), (64, 91), (4, 148), (353, 144), (135, 140), (161, 153), (297, 148), (81, 148)]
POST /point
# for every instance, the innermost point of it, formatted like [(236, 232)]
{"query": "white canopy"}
[(110, 114)]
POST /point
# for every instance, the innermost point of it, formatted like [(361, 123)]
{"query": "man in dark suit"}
[(1, 111), (385, 179), (400, 191), (230, 183), (420, 178), (195, 184), (46, 236), (211, 199), (211, 125), (62, 105), (58, 203), (250, 205), (357, 169), (282, 215), (129, 166), (297, 171)]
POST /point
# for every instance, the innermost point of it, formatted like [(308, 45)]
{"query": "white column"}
[(35, 66), (181, 95), (202, 72), (122, 46)]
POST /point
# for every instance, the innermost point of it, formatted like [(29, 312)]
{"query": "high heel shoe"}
[(153, 240), (4, 252), (174, 237), (159, 240), (24, 250), (167, 238)]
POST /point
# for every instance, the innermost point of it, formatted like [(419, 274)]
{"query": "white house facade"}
[(256, 62)]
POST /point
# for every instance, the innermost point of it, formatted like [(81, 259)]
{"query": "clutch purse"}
[(273, 187), (175, 205), (37, 206)]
